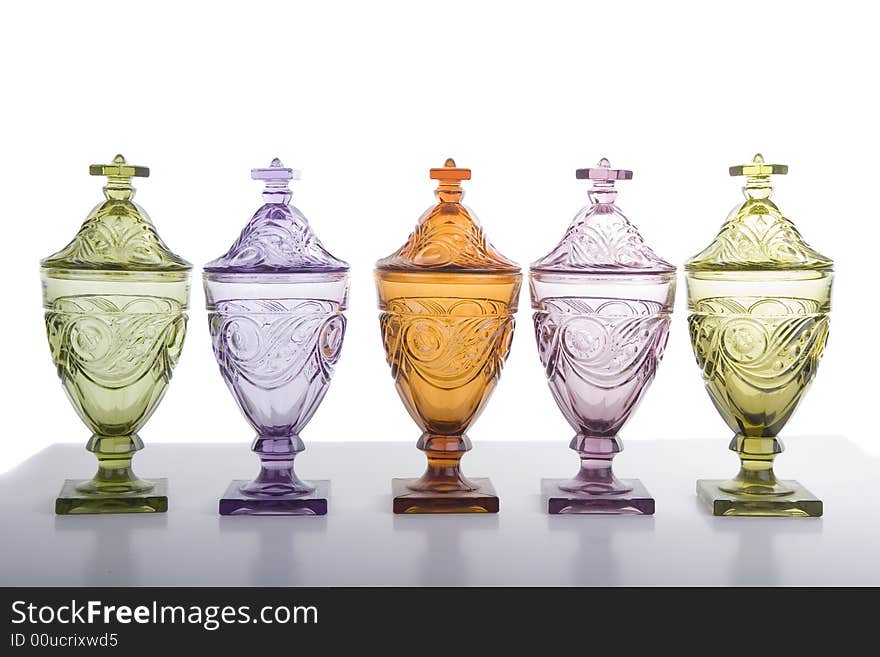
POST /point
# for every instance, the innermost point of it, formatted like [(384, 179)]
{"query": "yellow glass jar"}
[(759, 298)]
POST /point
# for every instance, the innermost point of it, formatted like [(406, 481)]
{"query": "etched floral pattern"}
[(448, 237), (759, 236), (601, 238), (599, 356), (117, 235), (757, 355), (446, 356), (277, 238), (277, 357), (115, 355)]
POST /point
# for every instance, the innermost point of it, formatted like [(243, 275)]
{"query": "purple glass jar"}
[(275, 303)]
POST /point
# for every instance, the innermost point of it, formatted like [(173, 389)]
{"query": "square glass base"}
[(799, 504), (70, 501), (236, 503), (481, 500), (637, 502)]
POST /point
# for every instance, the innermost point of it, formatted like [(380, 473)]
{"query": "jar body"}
[(115, 338), (277, 338), (758, 337), (600, 339), (446, 338)]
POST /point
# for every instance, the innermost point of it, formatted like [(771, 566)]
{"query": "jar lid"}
[(448, 236), (278, 239), (601, 239), (118, 234), (756, 236)]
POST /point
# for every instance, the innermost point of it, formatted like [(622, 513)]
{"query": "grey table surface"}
[(361, 543)]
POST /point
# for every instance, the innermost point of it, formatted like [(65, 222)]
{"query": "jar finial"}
[(757, 173), (119, 175), (450, 176), (603, 177), (276, 176), (758, 168)]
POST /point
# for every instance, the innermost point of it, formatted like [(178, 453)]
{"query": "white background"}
[(365, 98)]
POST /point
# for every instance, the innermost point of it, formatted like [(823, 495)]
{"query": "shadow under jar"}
[(115, 301), (448, 299), (602, 302), (275, 302)]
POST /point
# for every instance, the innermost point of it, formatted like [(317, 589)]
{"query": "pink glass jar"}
[(602, 301)]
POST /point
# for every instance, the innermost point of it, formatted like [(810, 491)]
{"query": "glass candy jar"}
[(759, 298), (602, 302), (275, 303), (115, 301), (447, 299)]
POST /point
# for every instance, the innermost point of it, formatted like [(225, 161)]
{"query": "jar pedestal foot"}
[(595, 489), (755, 491), (800, 503), (115, 488), (443, 488), (276, 490), (237, 503), (636, 502)]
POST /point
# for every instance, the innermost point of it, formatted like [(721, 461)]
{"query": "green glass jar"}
[(115, 300), (759, 298)]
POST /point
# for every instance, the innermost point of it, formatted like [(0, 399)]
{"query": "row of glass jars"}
[(759, 296)]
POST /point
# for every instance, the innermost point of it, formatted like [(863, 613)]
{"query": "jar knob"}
[(603, 177), (603, 172), (119, 175), (119, 169), (276, 176), (450, 176), (450, 172), (757, 168)]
